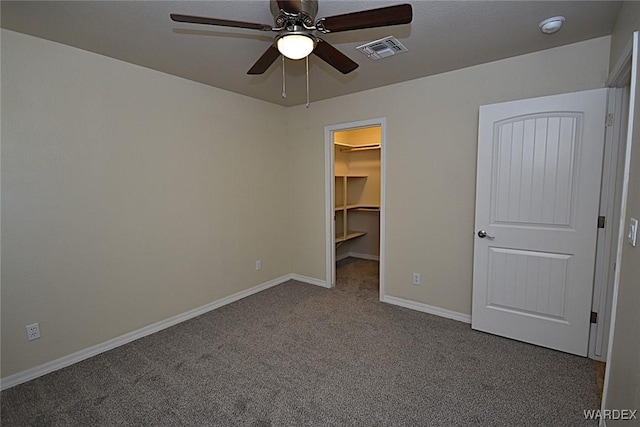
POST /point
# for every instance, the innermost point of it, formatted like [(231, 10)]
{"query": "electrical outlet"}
[(416, 279), (258, 265), (33, 332)]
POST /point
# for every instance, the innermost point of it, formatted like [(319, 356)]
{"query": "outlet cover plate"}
[(633, 231), (33, 332), (416, 279)]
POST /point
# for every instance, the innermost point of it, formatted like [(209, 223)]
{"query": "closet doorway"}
[(355, 188)]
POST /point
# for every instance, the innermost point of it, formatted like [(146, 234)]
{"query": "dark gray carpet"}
[(298, 354)]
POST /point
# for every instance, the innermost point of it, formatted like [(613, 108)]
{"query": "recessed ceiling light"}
[(551, 25)]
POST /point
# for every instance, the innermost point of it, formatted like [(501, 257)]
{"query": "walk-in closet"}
[(357, 193)]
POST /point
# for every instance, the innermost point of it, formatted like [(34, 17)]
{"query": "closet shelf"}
[(360, 147), (359, 207), (367, 208), (350, 235)]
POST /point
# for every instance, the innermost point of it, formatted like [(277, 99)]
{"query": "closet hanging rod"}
[(359, 147)]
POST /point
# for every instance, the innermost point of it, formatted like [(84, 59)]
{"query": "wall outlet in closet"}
[(416, 279), (258, 265)]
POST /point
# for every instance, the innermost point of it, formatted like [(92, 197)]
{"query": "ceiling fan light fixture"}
[(296, 46), (551, 25)]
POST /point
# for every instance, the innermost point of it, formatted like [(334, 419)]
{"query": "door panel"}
[(535, 170), (531, 283), (539, 171)]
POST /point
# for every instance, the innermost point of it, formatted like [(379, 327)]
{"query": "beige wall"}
[(431, 162), (627, 22), (128, 196), (624, 365)]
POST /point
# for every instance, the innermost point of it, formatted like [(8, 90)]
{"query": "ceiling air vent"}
[(382, 48)]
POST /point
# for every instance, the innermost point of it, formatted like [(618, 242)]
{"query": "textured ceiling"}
[(443, 36)]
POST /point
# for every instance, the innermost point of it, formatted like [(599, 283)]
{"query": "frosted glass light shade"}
[(295, 46), (551, 25)]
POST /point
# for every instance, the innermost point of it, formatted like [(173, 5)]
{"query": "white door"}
[(537, 196)]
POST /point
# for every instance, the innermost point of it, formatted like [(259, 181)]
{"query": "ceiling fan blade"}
[(382, 17), (291, 6), (334, 57), (264, 62), (220, 22)]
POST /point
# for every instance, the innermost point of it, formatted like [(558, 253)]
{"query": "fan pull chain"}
[(307, 60), (284, 89)]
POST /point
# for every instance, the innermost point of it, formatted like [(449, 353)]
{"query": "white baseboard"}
[(426, 308), (63, 362), (357, 255), (309, 280), (364, 256), (342, 256)]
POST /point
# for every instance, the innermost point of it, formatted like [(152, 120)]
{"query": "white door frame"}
[(610, 201), (329, 162), (624, 70)]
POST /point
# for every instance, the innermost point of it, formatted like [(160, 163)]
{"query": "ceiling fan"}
[(295, 24)]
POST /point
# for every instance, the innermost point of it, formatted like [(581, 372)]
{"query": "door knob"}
[(482, 234)]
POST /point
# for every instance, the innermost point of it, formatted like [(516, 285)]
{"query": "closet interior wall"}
[(362, 170)]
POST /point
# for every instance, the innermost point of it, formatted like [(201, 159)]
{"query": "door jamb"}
[(610, 200), (330, 194), (626, 66)]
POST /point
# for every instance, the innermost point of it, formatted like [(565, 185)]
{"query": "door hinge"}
[(594, 317), (601, 221), (608, 120)]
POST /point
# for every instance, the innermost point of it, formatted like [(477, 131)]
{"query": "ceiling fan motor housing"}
[(301, 12)]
